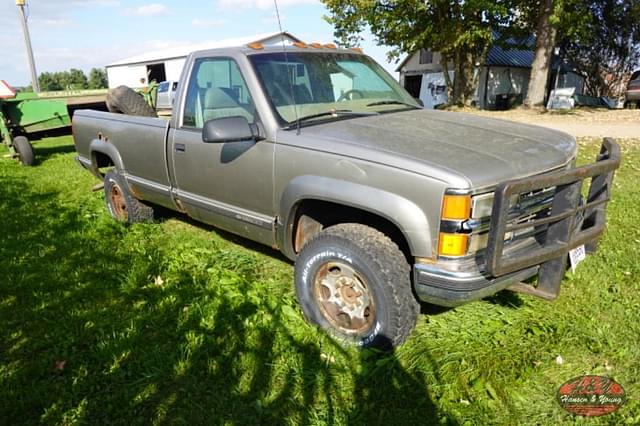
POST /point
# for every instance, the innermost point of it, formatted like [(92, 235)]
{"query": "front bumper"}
[(571, 222), (445, 288)]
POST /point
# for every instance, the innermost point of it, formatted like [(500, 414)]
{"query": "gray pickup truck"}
[(319, 153)]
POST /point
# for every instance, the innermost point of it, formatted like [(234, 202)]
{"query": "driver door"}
[(229, 185)]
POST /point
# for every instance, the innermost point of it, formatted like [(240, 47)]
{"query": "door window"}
[(216, 90)]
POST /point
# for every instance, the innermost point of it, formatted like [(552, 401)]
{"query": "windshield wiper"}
[(391, 102), (333, 113)]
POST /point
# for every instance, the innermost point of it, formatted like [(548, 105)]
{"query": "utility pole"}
[(27, 41)]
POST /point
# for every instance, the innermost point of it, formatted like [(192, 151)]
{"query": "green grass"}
[(177, 323)]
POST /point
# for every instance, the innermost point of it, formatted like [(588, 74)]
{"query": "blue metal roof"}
[(521, 55), (510, 58)]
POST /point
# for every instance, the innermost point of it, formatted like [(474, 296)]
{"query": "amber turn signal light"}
[(453, 244), (457, 207)]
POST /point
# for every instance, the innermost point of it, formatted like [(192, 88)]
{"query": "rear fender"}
[(103, 147)]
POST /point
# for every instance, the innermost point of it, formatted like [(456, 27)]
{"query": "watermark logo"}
[(591, 396)]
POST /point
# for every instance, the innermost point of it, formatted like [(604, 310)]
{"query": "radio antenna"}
[(289, 75)]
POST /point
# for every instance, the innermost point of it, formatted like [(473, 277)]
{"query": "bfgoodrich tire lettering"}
[(354, 282), (122, 205)]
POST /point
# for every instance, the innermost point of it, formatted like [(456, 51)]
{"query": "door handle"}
[(180, 147)]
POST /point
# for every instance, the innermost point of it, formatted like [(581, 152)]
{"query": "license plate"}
[(576, 256)]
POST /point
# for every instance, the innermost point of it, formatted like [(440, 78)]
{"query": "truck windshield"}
[(305, 85)]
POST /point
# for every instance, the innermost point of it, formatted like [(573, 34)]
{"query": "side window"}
[(216, 89)]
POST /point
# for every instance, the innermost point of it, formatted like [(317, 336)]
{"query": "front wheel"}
[(24, 149), (354, 282)]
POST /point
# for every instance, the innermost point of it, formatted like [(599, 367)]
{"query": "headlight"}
[(482, 205)]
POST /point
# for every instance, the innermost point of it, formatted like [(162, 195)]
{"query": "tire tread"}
[(137, 211), (376, 247)]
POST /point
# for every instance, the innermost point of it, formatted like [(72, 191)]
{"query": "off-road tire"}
[(25, 151), (122, 205), (380, 263), (124, 100)]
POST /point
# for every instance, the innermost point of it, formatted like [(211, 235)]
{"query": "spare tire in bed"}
[(125, 100)]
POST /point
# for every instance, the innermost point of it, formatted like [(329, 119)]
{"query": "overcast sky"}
[(92, 33)]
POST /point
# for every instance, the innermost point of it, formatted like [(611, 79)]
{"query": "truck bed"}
[(130, 136)]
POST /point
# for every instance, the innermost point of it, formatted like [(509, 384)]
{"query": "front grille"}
[(530, 207), (571, 222)]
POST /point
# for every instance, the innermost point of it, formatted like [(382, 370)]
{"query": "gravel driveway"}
[(579, 123)]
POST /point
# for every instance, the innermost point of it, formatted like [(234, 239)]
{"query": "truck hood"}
[(482, 150)]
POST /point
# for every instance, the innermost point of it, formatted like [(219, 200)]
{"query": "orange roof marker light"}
[(255, 46), (316, 45), (357, 49), (300, 44), (330, 46)]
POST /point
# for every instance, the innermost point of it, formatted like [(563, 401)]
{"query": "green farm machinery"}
[(25, 117)]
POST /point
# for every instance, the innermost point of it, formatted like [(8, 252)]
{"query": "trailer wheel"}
[(25, 151), (124, 100), (122, 205)]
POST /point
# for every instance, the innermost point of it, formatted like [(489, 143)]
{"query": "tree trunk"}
[(444, 61), (463, 81), (458, 80), (545, 42), (467, 87)]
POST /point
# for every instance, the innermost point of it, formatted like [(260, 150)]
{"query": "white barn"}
[(166, 65), (503, 79)]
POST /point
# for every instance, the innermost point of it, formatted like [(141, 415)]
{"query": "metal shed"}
[(166, 64), (504, 75)]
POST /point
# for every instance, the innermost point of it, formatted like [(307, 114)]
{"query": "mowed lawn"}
[(177, 323)]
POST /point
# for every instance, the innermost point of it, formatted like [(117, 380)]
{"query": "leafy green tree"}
[(98, 78), (75, 79), (461, 30), (601, 40), (49, 82)]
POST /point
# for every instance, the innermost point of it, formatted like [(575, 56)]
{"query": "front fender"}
[(403, 213)]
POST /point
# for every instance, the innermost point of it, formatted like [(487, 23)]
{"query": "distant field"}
[(177, 323)]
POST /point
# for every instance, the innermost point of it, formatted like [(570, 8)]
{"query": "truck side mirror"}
[(229, 129)]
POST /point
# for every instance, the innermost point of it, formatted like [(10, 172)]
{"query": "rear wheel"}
[(125, 100), (354, 282), (25, 150), (122, 205)]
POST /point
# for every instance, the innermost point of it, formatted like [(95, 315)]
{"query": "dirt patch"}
[(583, 122)]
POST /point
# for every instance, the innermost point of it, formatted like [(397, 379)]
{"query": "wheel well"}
[(100, 161), (314, 215)]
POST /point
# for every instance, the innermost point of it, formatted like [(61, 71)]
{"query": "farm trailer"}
[(25, 117)]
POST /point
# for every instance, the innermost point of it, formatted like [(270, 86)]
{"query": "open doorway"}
[(156, 72), (412, 84)]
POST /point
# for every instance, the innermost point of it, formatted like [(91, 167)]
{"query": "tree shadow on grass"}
[(91, 333)]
